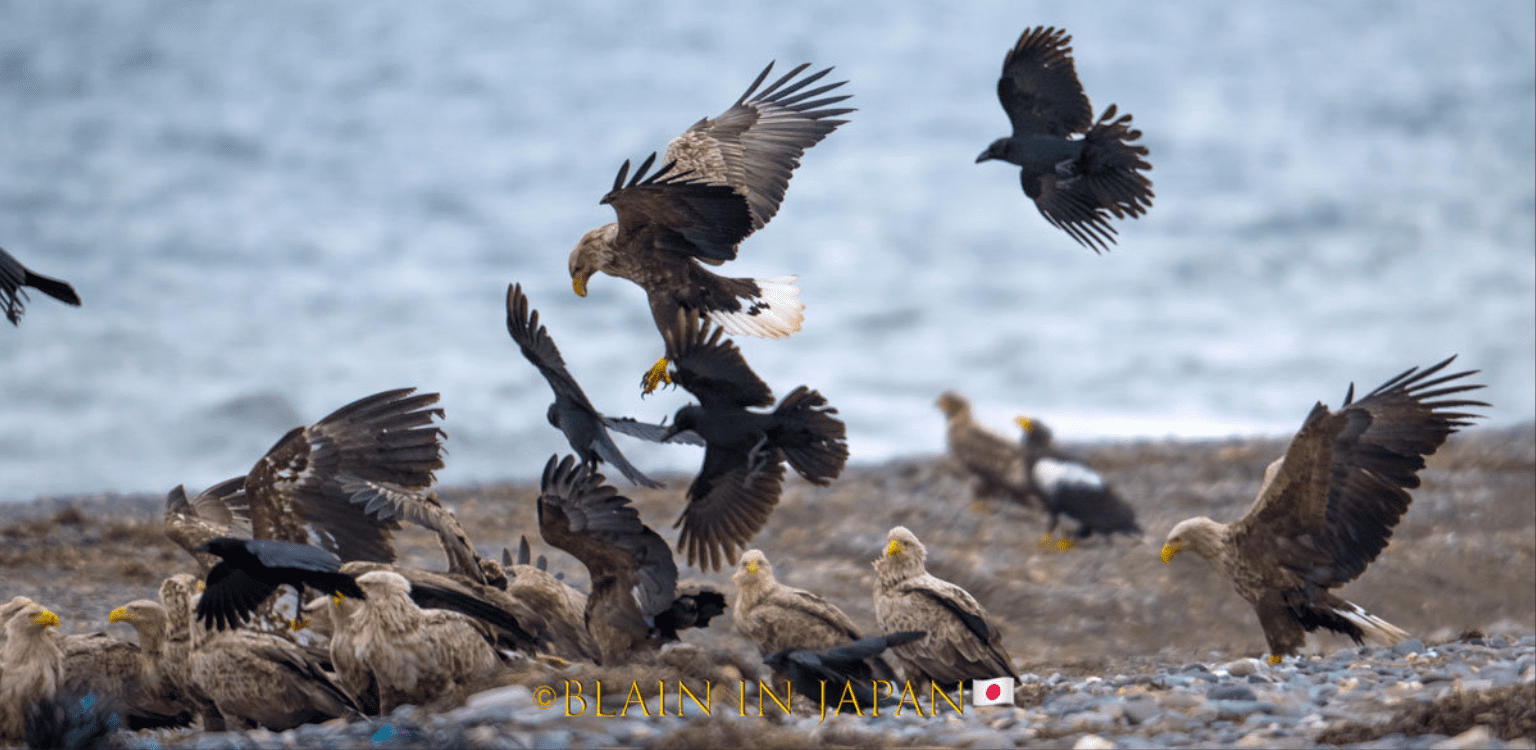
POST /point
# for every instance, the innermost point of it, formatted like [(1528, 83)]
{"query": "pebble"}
[(1231, 703)]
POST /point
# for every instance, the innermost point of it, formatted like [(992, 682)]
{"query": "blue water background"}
[(271, 209)]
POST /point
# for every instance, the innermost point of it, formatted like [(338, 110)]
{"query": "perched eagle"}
[(1078, 172), (32, 664), (634, 603), (723, 179), (1067, 485), (14, 276), (995, 461), (1328, 506), (743, 471), (131, 678), (414, 654), (775, 616), (253, 569), (259, 679), (509, 622), (572, 412), (960, 644)]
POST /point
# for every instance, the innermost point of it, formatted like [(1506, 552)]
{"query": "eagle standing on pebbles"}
[(1070, 486), (776, 617), (32, 663), (960, 645), (995, 461), (1078, 172), (723, 179), (14, 276), (1327, 508)]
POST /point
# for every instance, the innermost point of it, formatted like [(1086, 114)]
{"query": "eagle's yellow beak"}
[(893, 548), (1170, 549), (119, 615), (579, 285), (752, 567), (1024, 422), (201, 587), (46, 618)]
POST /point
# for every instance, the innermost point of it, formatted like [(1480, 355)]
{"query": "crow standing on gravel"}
[(1078, 172)]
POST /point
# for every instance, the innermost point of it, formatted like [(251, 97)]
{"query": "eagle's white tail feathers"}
[(775, 313), (1375, 628)]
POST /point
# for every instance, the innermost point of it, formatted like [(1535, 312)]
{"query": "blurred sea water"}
[(273, 209)]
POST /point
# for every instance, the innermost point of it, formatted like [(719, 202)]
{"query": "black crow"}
[(572, 412), (1078, 172), (743, 471), (844, 667), (252, 569), (14, 276)]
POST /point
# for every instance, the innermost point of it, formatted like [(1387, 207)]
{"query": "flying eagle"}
[(572, 412), (14, 276), (723, 179), (995, 461), (1078, 172), (32, 663), (742, 476), (1067, 485), (634, 578), (414, 654), (1327, 507), (960, 645), (253, 569)]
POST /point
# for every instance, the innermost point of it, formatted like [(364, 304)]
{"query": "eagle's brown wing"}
[(1330, 507), (672, 215), (302, 490), (755, 146)]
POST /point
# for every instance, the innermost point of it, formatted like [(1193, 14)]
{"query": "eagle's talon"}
[(655, 376)]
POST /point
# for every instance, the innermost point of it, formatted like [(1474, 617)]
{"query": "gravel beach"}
[(1114, 648)]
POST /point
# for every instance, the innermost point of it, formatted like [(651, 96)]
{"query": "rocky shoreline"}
[(1114, 648)]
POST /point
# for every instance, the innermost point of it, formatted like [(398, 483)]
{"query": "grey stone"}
[(1230, 693), (1242, 667), (1139, 711), (1408, 646)]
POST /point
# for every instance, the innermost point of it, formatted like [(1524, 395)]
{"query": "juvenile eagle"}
[(14, 276), (723, 179), (1078, 172), (1070, 486), (960, 645), (128, 677), (259, 679), (572, 412), (1327, 507), (634, 603), (742, 476), (995, 461)]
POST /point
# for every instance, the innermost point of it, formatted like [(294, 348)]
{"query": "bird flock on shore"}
[(362, 634)]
